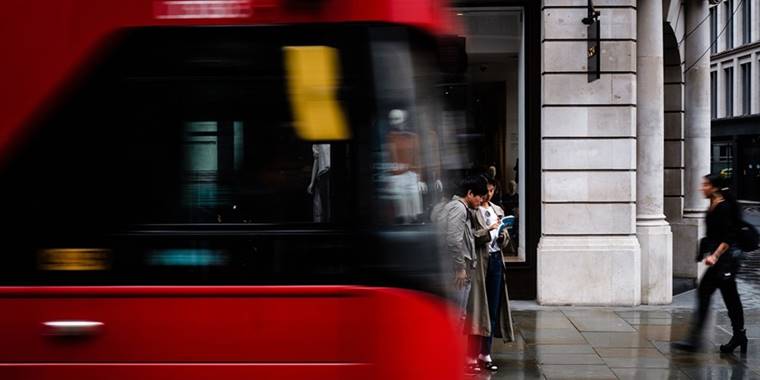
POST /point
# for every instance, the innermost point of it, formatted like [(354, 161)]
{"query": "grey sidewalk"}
[(624, 343), (631, 343)]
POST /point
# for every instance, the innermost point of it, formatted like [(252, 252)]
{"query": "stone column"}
[(588, 253), (696, 130), (653, 231)]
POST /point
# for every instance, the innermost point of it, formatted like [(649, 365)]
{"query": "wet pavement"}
[(751, 269), (620, 343), (631, 343), (626, 343)]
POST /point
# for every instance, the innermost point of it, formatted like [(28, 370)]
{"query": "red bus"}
[(223, 188)]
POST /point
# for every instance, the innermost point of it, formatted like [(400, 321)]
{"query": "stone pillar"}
[(696, 132), (653, 231), (588, 253)]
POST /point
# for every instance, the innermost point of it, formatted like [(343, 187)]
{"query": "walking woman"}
[(720, 254)]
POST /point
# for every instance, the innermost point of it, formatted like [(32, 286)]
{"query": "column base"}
[(656, 240), (686, 235), (589, 270)]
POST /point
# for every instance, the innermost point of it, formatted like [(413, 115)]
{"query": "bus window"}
[(177, 161), (409, 152)]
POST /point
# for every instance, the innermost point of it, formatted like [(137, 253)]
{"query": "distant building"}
[(735, 94)]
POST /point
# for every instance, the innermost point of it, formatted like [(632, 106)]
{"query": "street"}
[(631, 343)]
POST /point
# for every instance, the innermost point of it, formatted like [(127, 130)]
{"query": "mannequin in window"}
[(319, 187), (405, 180)]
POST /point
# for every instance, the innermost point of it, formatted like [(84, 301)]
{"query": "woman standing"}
[(722, 259), (491, 315)]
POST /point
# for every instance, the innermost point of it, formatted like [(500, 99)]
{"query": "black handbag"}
[(748, 237)]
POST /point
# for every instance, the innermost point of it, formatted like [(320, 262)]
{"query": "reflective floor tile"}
[(732, 373), (617, 339), (637, 362), (668, 333), (649, 374), (553, 336), (577, 372), (569, 359), (630, 353), (599, 321), (563, 349)]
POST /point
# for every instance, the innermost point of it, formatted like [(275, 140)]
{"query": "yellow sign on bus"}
[(312, 73), (73, 259)]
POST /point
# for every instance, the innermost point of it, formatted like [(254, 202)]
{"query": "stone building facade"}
[(612, 167), (634, 143)]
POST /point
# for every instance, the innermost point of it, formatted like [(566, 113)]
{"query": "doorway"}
[(502, 119)]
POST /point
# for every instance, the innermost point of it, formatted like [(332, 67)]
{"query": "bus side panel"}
[(289, 371), (239, 332)]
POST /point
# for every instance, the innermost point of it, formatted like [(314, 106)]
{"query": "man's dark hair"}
[(475, 183)]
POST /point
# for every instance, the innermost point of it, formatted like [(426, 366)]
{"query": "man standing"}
[(459, 241)]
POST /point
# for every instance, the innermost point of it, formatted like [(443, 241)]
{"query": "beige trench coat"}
[(477, 307)]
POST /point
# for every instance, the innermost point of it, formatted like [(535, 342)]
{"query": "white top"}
[(321, 154), (489, 214)]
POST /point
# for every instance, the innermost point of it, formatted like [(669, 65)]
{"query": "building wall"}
[(735, 123), (588, 252)]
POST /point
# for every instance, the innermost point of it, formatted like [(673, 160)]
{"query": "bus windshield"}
[(231, 155)]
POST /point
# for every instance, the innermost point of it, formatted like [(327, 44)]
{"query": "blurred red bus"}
[(212, 188)]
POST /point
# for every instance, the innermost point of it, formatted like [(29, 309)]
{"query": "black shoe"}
[(738, 339)]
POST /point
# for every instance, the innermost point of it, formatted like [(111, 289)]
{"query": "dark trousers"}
[(494, 292), (720, 276)]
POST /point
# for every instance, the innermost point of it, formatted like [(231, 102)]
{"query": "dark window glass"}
[(714, 94), (746, 87), (729, 91), (713, 30), (729, 31), (722, 158), (747, 21)]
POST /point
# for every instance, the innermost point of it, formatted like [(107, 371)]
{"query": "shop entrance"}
[(489, 98)]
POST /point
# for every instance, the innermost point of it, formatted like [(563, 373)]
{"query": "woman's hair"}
[(492, 181), (722, 184), (718, 181)]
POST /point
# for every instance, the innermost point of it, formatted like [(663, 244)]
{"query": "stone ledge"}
[(600, 271)]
